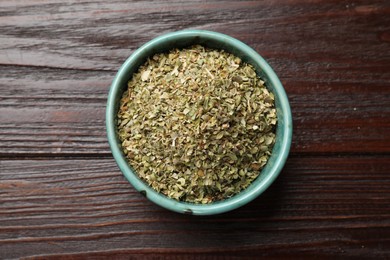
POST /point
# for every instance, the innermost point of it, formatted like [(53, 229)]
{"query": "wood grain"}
[(62, 206), (338, 118), (63, 197)]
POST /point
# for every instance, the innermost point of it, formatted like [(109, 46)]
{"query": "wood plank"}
[(57, 112), (99, 35), (337, 206), (52, 111)]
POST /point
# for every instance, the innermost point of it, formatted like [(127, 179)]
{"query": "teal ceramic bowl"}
[(181, 39)]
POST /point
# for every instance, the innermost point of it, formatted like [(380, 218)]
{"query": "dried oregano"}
[(197, 124)]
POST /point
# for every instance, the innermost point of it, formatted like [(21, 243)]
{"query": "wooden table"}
[(62, 195)]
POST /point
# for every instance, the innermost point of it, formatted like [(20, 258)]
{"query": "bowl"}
[(187, 38)]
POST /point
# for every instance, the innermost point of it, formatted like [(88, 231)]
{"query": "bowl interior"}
[(214, 40)]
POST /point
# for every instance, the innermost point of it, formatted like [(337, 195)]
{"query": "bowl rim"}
[(235, 201)]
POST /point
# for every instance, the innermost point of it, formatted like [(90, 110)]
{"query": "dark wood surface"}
[(62, 195)]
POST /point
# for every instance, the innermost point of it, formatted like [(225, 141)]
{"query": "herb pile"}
[(197, 124)]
